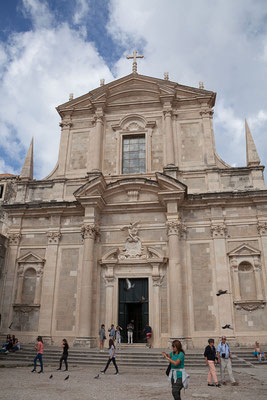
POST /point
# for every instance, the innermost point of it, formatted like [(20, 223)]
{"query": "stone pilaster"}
[(175, 280), (10, 279), (38, 287), (209, 143), (19, 284), (46, 298), (157, 282), (234, 265), (170, 158), (258, 279), (109, 284), (96, 163), (65, 125), (222, 273), (89, 232)]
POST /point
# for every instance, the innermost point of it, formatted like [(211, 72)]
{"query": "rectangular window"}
[(134, 154)]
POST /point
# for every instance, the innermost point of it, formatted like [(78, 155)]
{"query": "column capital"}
[(167, 112), (40, 271), (20, 271), (257, 263), (89, 231), (218, 231), (206, 113), (53, 237), (14, 239), (157, 280), (234, 264), (65, 124), (176, 228)]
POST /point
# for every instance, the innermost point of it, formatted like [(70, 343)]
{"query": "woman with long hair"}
[(40, 351), (176, 359), (112, 357), (64, 357)]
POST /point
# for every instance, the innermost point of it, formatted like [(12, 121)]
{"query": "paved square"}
[(131, 384)]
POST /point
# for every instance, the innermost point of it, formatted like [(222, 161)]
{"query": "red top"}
[(40, 348)]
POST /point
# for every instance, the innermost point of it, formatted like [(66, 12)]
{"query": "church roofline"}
[(100, 91)]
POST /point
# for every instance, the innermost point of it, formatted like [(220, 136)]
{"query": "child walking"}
[(40, 351), (112, 356)]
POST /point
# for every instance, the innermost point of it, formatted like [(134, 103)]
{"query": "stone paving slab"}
[(131, 384)]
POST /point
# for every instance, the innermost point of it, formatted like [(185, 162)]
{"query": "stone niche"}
[(246, 266)]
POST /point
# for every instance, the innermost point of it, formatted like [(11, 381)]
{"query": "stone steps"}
[(141, 357)]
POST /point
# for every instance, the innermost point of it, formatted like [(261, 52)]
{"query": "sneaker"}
[(211, 384), (58, 369), (218, 385), (40, 372), (34, 370), (102, 372), (235, 384), (116, 373)]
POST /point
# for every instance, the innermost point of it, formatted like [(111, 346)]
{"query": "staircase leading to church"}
[(129, 356)]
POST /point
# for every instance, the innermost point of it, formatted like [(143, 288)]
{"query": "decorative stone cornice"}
[(249, 305), (262, 228), (218, 231), (65, 124), (53, 237), (89, 231), (14, 239), (206, 113)]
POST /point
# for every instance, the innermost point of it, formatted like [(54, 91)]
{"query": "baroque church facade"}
[(140, 220)]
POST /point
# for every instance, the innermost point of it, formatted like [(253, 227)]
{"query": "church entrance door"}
[(133, 306)]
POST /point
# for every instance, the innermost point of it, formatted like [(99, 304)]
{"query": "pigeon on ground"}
[(51, 376), (221, 292), (67, 377), (227, 327), (97, 376)]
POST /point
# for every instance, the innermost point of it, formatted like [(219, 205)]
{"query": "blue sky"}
[(51, 48)]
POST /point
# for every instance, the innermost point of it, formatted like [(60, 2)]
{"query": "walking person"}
[(64, 356), (40, 351), (118, 337), (211, 361), (225, 361), (176, 359), (130, 329), (102, 338), (112, 357)]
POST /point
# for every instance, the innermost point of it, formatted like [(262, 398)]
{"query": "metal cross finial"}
[(134, 57)]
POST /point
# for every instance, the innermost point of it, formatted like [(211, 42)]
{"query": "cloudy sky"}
[(50, 48)]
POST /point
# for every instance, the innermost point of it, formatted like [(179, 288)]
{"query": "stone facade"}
[(188, 224)]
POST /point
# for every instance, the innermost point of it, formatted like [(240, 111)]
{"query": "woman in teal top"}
[(176, 358)]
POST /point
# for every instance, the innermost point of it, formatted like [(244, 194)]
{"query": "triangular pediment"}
[(136, 88), (244, 250), (30, 258)]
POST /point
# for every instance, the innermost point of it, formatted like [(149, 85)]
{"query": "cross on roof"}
[(134, 57)]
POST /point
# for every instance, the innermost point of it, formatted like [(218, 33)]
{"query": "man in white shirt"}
[(225, 361)]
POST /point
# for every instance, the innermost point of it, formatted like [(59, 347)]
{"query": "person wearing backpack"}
[(176, 360)]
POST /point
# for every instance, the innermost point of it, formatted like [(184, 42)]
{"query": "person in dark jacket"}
[(64, 356), (211, 361)]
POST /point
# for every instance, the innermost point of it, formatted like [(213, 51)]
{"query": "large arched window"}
[(28, 288)]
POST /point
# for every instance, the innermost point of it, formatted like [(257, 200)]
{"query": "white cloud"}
[(222, 43), (39, 70), (81, 12), (39, 13)]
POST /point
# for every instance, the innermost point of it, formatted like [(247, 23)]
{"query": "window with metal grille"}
[(133, 154)]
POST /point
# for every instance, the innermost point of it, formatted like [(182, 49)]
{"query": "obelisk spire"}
[(134, 57), (253, 158), (27, 169)]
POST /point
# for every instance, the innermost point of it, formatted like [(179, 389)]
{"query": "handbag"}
[(104, 338), (168, 370)]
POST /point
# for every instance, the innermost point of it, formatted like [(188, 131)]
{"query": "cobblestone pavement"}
[(132, 384)]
